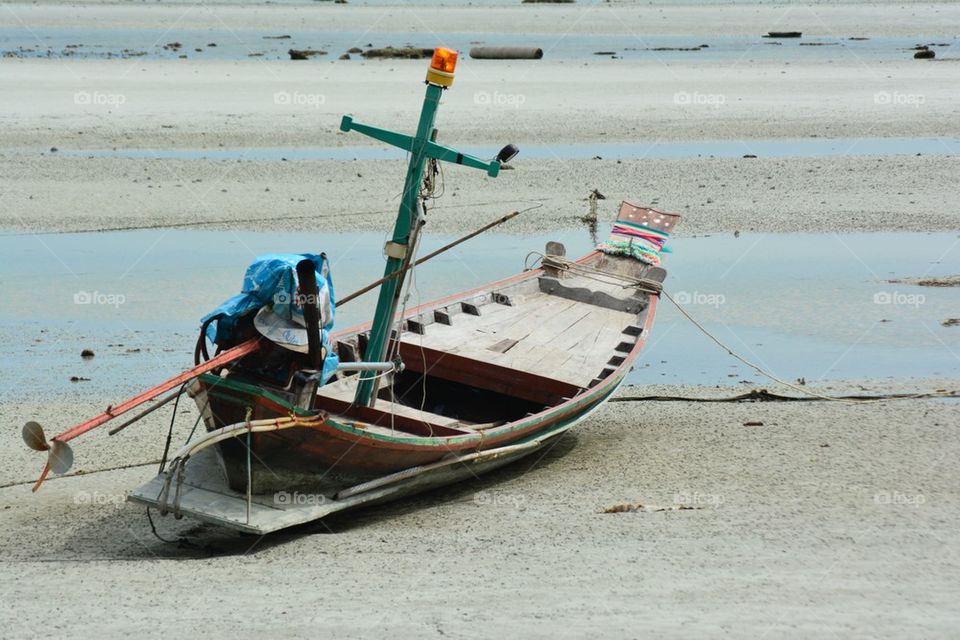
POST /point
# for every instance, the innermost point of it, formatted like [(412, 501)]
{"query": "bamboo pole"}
[(374, 285)]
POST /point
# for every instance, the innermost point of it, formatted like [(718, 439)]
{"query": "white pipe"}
[(231, 431), (366, 366)]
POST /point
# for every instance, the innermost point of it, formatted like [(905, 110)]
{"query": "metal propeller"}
[(59, 454), (34, 437)]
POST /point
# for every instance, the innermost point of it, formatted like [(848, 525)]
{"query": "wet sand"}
[(846, 17), (216, 105), (74, 105), (764, 195), (827, 519), (136, 103)]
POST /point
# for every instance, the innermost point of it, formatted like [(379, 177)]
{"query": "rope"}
[(153, 528), (757, 368), (173, 417), (592, 273), (196, 422), (762, 395), (82, 473), (235, 221), (423, 360)]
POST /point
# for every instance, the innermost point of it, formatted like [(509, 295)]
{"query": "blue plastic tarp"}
[(271, 280)]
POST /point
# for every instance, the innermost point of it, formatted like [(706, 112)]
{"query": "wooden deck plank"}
[(490, 328), (577, 356), (538, 333), (526, 320), (566, 363)]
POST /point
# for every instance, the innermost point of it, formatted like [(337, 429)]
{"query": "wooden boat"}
[(418, 399), (491, 375)]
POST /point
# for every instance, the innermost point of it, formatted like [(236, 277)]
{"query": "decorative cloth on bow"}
[(640, 232)]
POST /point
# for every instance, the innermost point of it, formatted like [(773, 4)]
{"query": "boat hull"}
[(339, 453), (205, 495)]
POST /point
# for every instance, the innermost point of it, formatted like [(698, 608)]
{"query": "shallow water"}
[(149, 44), (812, 306), (780, 148)]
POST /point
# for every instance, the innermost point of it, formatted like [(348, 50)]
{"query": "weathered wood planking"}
[(339, 398), (544, 335), (483, 374)]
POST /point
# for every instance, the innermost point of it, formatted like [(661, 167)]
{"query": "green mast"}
[(406, 228)]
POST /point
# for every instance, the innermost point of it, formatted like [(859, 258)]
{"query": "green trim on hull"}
[(588, 400), (215, 382)]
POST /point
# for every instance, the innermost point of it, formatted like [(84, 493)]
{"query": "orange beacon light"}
[(442, 66)]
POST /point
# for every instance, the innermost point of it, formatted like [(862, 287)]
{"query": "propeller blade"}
[(60, 457), (34, 437)]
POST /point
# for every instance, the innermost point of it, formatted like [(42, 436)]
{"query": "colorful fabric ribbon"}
[(637, 241)]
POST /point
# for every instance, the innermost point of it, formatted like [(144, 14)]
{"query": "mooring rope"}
[(764, 372), (762, 395), (82, 472), (230, 222)]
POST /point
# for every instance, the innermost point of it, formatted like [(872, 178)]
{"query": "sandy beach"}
[(84, 108), (825, 519), (911, 17), (221, 105), (764, 195)]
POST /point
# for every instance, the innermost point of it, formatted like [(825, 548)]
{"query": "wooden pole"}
[(112, 412)]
